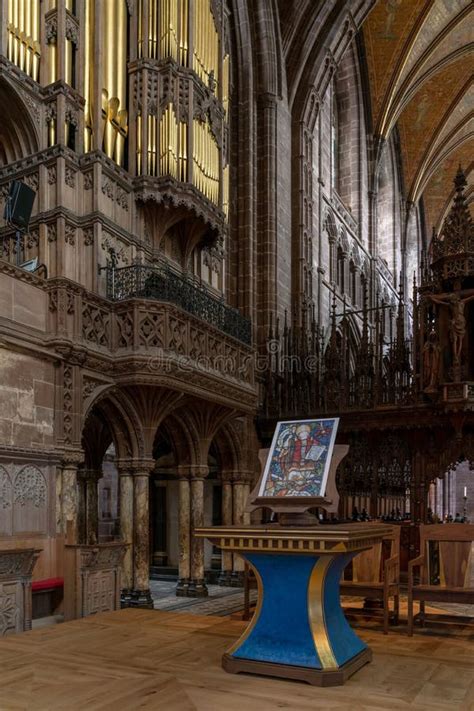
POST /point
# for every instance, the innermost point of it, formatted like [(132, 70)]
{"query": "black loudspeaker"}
[(19, 204)]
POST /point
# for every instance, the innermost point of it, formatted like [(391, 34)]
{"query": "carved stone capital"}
[(142, 467), (198, 471), (72, 459)]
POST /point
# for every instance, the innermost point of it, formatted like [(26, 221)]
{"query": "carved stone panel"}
[(92, 579), (16, 567), (6, 503), (101, 592), (10, 612), (30, 501)]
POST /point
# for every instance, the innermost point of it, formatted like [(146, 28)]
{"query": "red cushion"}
[(48, 584)]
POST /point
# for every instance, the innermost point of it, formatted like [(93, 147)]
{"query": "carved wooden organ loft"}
[(404, 388), (149, 88)]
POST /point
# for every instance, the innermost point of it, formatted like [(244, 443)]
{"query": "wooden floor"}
[(144, 659)]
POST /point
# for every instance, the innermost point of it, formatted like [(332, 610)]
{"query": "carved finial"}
[(456, 236)]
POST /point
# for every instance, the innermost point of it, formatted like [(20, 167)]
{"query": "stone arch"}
[(18, 135), (388, 219), (353, 341), (97, 436), (229, 447), (349, 101), (344, 240), (113, 405), (182, 438)]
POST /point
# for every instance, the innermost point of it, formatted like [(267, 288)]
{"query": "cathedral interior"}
[(219, 215)]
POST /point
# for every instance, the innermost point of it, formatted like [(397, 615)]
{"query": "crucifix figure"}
[(457, 324)]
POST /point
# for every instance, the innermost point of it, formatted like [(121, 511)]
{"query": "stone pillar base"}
[(237, 579), (141, 598), (125, 597), (197, 588), (182, 587), (225, 578)]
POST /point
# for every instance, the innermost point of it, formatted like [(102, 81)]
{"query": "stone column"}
[(239, 501), (226, 573), (81, 506), (70, 498), (184, 534), (59, 499), (92, 506), (126, 530), (141, 544), (197, 586), (246, 495)]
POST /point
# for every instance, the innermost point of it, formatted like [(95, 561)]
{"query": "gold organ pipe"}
[(155, 127), (152, 25), (21, 29), (149, 28), (170, 140), (10, 30), (52, 62), (121, 40), (183, 33), (109, 72), (149, 129), (52, 132), (114, 78), (16, 30), (170, 143), (225, 84), (163, 32), (208, 46), (28, 38), (68, 50), (35, 33), (139, 144), (88, 22), (176, 32), (225, 191), (152, 10), (140, 31), (206, 161), (23, 48)]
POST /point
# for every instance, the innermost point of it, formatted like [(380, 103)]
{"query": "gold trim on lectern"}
[(316, 613), (256, 615)]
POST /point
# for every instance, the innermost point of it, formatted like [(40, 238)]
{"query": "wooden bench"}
[(47, 596), (377, 577), (445, 565)]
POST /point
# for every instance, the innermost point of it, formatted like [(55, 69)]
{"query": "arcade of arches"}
[(244, 211)]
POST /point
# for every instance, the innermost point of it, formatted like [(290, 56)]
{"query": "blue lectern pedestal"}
[(298, 630)]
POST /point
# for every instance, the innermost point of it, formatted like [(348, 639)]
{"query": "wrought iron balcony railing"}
[(163, 284)]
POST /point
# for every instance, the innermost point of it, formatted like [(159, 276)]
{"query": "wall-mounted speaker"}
[(19, 205)]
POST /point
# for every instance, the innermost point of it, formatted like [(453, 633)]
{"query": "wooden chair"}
[(446, 568), (378, 579)]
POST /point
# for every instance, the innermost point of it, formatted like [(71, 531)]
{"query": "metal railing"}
[(164, 284)]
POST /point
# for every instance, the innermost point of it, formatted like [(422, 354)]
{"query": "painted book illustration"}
[(299, 458)]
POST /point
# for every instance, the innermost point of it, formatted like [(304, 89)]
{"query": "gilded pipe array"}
[(182, 30), (206, 43), (23, 47), (206, 161)]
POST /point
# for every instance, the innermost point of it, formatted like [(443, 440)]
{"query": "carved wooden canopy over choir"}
[(385, 381)]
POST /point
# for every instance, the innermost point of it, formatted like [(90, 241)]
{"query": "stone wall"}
[(28, 390)]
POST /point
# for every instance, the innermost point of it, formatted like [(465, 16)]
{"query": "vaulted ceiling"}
[(420, 66)]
